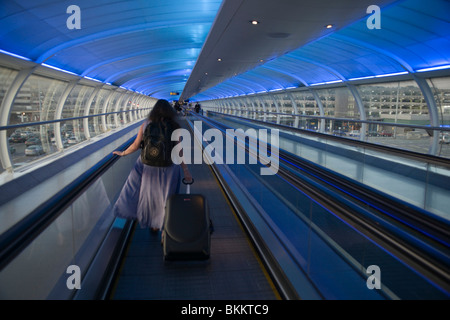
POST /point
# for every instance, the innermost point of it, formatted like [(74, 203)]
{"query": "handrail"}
[(385, 211), (30, 124), (410, 216), (344, 119), (20, 235), (416, 156)]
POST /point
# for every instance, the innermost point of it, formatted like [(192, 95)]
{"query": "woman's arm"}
[(135, 145), (186, 172)]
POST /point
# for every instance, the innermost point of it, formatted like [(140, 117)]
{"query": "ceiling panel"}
[(414, 34), (157, 38), (160, 46)]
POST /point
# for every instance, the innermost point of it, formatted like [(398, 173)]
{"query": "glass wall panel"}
[(228, 106), (36, 100), (399, 102), (26, 145), (338, 103), (286, 103), (306, 105), (267, 106), (129, 113), (225, 107), (270, 104), (123, 118), (441, 90), (96, 108), (6, 78), (397, 112), (80, 96), (253, 107), (117, 97), (395, 102), (238, 104), (285, 107), (247, 107), (233, 106), (258, 105), (74, 106), (237, 107)]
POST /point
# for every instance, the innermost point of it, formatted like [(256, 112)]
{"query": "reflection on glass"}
[(441, 90), (338, 103), (37, 100), (6, 78), (395, 102)]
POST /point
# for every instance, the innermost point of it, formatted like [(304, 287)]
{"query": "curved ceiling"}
[(161, 46), (145, 46), (414, 35)]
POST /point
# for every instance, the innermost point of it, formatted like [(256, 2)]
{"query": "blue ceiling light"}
[(14, 55), (434, 68), (89, 78), (59, 69), (327, 82)]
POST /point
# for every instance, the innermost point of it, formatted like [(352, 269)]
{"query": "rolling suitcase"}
[(187, 227)]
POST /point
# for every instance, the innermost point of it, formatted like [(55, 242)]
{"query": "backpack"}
[(157, 145)]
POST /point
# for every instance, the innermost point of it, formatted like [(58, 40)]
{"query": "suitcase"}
[(187, 227)]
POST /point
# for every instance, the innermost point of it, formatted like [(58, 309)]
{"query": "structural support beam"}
[(87, 108), (58, 113), (433, 109), (362, 112), (5, 110)]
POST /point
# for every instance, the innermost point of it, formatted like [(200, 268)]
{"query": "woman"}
[(147, 188)]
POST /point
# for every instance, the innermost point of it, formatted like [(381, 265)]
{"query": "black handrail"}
[(415, 156), (432, 230), (313, 117), (38, 123), (20, 235)]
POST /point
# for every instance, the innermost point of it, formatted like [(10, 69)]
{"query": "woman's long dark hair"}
[(162, 110)]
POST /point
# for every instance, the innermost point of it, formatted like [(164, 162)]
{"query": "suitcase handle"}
[(184, 181), (188, 185)]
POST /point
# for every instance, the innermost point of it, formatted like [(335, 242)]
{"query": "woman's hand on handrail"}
[(119, 153)]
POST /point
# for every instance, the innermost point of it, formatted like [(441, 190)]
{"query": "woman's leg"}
[(127, 203)]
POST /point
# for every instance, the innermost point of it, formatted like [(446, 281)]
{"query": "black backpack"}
[(157, 144)]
